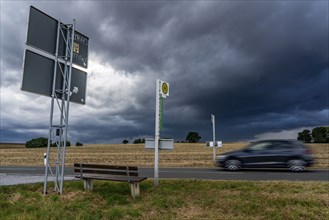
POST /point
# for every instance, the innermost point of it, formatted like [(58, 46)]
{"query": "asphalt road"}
[(197, 173)]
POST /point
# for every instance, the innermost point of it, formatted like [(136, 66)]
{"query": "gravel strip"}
[(10, 179)]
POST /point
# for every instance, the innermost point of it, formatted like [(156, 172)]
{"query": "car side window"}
[(259, 146), (281, 146)]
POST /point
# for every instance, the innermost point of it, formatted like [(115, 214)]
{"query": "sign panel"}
[(80, 50), (42, 31), (38, 74), (42, 34), (214, 144), (210, 144), (38, 78), (78, 86), (165, 144)]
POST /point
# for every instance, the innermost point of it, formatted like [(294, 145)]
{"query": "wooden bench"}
[(89, 172)]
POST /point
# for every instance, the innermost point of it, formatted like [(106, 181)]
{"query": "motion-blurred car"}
[(268, 154)]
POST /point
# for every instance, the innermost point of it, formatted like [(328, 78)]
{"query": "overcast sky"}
[(261, 67)]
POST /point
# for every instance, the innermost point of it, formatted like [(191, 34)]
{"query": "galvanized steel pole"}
[(157, 134)]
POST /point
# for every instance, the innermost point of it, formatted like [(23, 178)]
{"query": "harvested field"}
[(183, 155), (11, 145)]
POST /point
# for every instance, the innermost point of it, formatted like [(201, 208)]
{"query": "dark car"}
[(268, 154)]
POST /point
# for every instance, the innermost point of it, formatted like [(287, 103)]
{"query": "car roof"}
[(276, 140), (290, 141)]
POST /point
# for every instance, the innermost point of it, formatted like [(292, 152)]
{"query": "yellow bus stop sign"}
[(164, 91), (164, 88)]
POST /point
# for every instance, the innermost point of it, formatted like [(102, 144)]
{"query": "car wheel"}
[(232, 165), (296, 165)]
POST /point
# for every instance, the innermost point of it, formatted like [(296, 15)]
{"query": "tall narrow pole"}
[(70, 42), (51, 113), (62, 141), (213, 137), (157, 135)]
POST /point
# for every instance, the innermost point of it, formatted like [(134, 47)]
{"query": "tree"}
[(305, 136), (68, 144), (78, 144), (139, 141), (42, 142), (125, 142), (193, 137), (37, 142), (320, 135)]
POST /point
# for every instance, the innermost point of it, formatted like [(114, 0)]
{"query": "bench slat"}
[(113, 178), (104, 171), (98, 166)]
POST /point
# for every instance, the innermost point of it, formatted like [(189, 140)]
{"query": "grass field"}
[(174, 199), (183, 155)]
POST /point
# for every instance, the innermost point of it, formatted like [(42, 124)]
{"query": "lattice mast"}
[(57, 135)]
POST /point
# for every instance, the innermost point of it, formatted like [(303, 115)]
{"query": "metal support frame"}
[(58, 133)]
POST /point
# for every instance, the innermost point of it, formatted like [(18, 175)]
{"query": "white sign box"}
[(165, 144), (214, 144)]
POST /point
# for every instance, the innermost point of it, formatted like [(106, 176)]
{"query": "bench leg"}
[(88, 185), (134, 188)]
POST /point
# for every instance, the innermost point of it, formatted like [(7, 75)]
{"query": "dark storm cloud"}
[(259, 66)]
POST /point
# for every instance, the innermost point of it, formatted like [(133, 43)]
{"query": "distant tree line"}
[(43, 142), (318, 135), (37, 142), (136, 141), (139, 141)]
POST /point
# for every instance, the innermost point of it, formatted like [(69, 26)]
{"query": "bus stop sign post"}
[(162, 91)]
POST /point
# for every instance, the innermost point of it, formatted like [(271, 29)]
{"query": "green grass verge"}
[(174, 199)]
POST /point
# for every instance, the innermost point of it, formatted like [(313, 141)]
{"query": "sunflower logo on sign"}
[(164, 91), (165, 88), (76, 48)]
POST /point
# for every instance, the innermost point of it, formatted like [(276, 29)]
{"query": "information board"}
[(38, 78), (42, 34)]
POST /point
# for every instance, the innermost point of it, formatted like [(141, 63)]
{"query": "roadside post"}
[(213, 137), (45, 159), (213, 144), (162, 91)]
